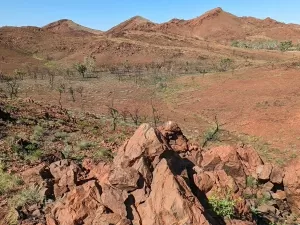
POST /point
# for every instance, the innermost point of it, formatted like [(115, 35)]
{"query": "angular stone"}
[(264, 171), (171, 201), (277, 175), (124, 178), (114, 199), (279, 195)]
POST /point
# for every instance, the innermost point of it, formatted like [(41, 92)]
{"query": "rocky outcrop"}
[(170, 200), (158, 177)]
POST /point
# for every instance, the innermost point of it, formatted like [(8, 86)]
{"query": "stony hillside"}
[(66, 26), (156, 177), (219, 25), (140, 41)]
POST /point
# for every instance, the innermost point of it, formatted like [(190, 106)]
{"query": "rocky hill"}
[(65, 26), (140, 41)]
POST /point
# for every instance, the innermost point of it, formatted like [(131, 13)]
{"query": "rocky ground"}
[(156, 177)]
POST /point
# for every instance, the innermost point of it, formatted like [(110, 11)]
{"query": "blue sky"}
[(103, 14)]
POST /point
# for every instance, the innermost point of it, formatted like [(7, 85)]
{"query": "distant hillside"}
[(65, 25), (134, 23)]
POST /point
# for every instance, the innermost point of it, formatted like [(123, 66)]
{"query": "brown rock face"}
[(114, 199), (250, 160), (100, 171), (33, 175), (172, 132), (65, 175), (124, 178), (79, 206), (279, 195), (204, 181), (146, 141), (276, 176), (291, 183), (170, 201), (236, 162), (264, 171)]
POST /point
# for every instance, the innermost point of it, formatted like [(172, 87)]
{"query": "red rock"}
[(268, 186), (143, 167), (80, 205), (114, 199), (173, 134), (204, 181), (250, 160), (170, 192), (264, 171), (210, 161), (277, 175), (65, 175), (291, 182), (32, 175), (225, 158), (195, 157), (124, 178), (279, 195), (146, 141), (99, 171)]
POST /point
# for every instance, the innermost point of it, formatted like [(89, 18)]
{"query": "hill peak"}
[(134, 23), (66, 25)]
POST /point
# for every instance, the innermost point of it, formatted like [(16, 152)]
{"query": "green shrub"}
[(38, 132), (8, 182), (28, 196), (225, 64), (285, 45), (103, 154), (60, 135), (251, 181), (84, 145), (222, 206), (34, 156)]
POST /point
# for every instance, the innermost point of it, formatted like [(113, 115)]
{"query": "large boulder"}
[(65, 174), (79, 206), (277, 175), (171, 200), (173, 134), (250, 160), (264, 172), (114, 199), (146, 141), (98, 171), (225, 158), (124, 178), (291, 182)]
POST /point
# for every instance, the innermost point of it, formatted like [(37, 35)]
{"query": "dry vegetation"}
[(83, 98)]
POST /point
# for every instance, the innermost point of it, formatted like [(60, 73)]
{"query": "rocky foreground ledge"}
[(159, 178)]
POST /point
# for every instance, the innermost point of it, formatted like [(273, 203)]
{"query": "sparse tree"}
[(80, 91), (13, 86), (124, 114), (225, 64), (19, 74), (114, 114), (81, 69), (51, 77), (90, 63), (71, 91), (135, 116), (155, 114), (61, 90)]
